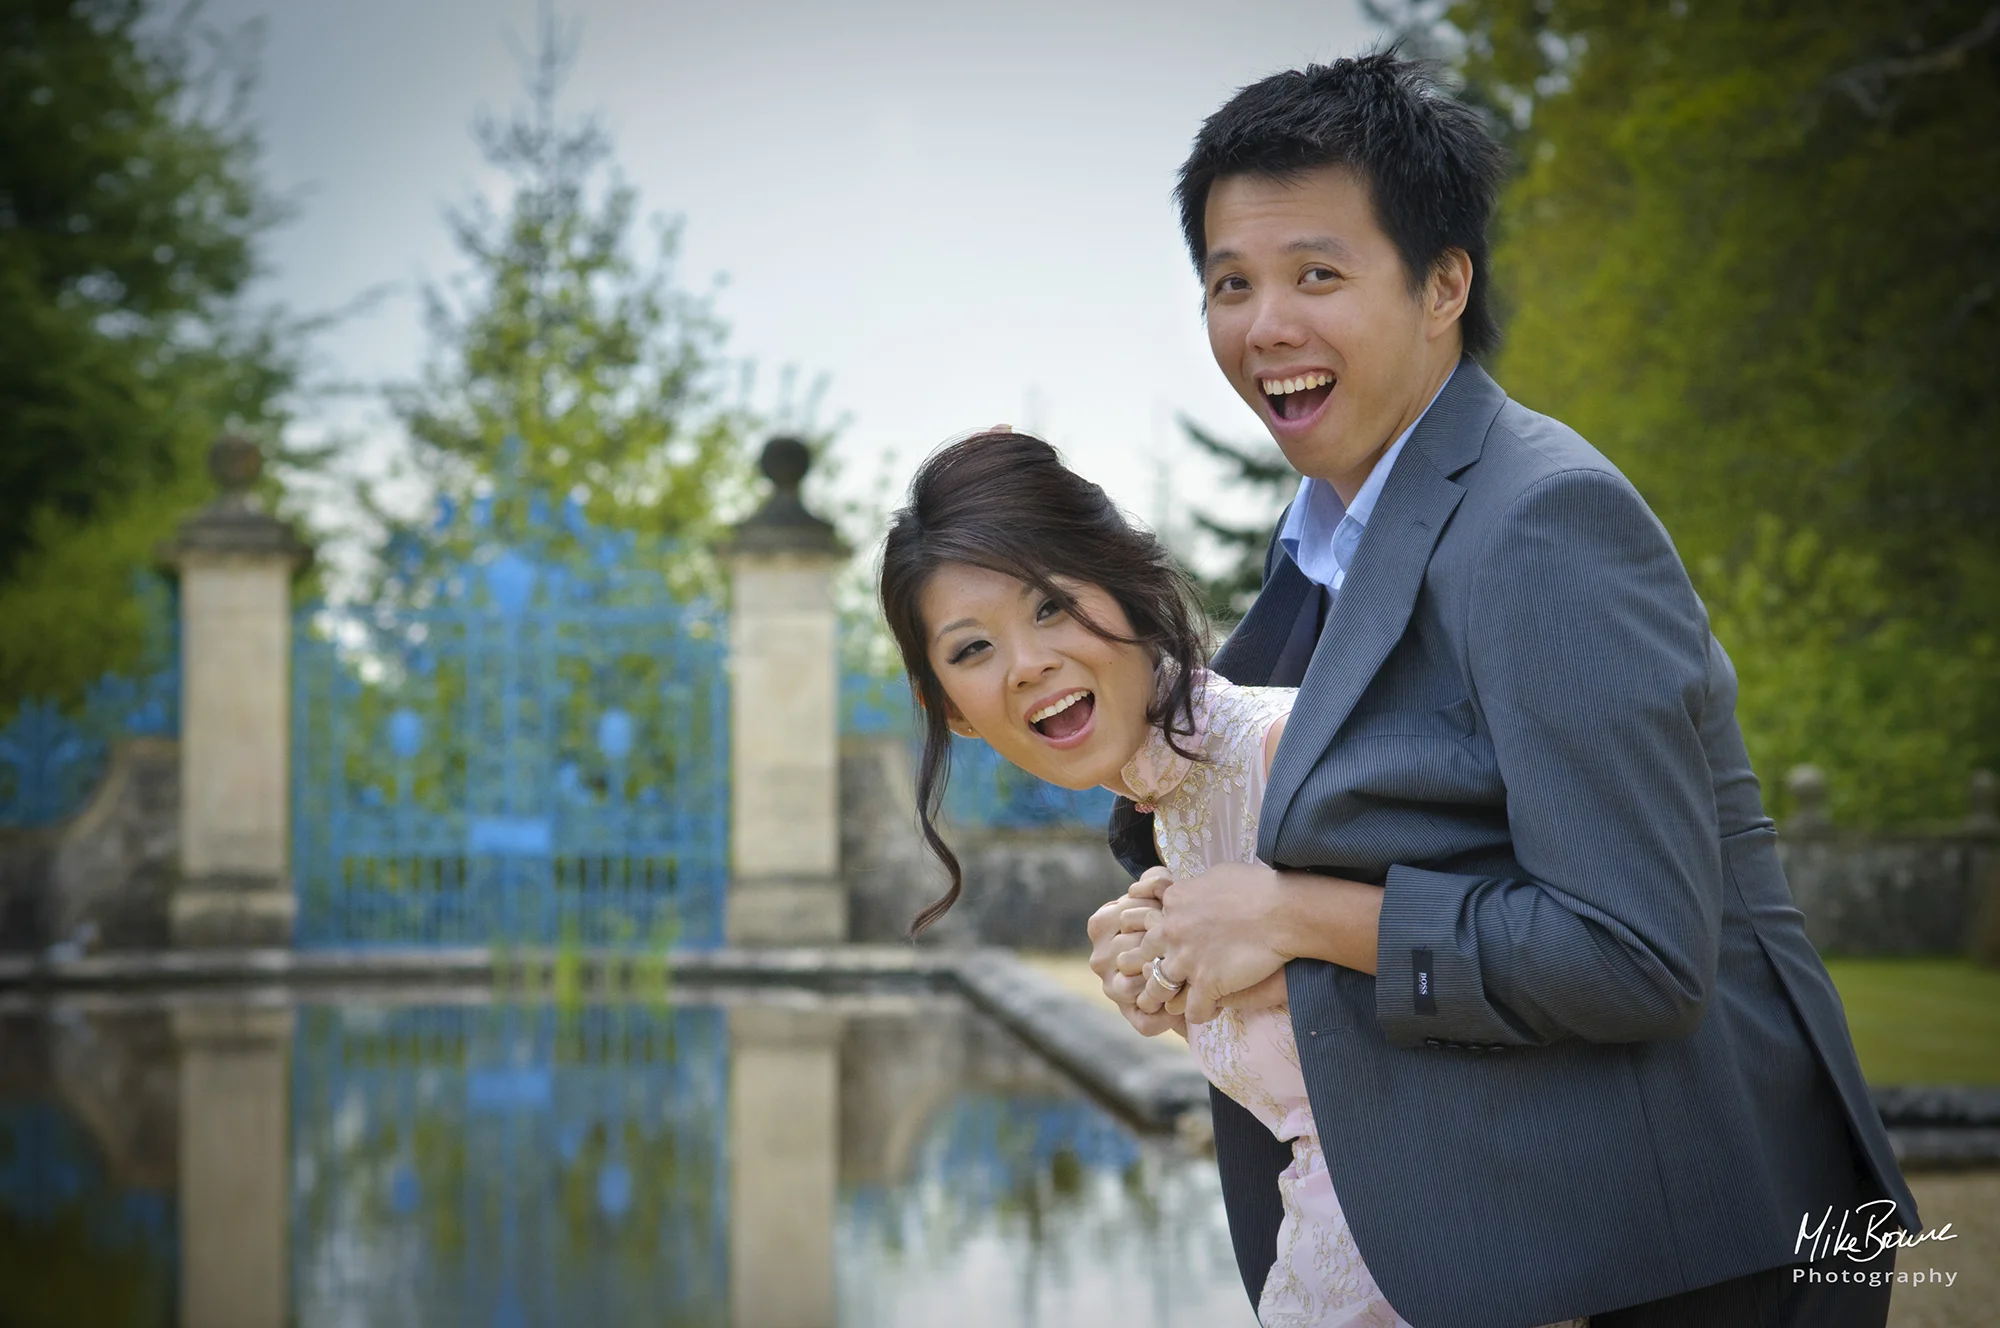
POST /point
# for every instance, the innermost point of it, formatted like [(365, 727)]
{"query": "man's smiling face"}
[(1311, 317)]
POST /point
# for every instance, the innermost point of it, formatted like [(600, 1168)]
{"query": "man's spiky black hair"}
[(1431, 166)]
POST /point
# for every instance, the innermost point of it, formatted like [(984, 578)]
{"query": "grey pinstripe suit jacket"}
[(1601, 1064)]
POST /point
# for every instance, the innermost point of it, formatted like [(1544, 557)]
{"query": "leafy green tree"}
[(1750, 253), (1826, 666), (611, 378), (129, 217)]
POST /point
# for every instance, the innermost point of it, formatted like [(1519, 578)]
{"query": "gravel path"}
[(1970, 1201)]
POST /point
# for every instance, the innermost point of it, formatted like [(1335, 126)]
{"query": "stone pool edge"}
[(453, 964), (1148, 1079), (1155, 1085), (1152, 1084)]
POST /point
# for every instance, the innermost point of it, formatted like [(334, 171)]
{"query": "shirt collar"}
[(1157, 769)]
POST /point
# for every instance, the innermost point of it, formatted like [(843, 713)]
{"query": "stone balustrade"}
[(1878, 893)]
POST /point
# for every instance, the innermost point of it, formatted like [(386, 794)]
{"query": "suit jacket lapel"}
[(1381, 588)]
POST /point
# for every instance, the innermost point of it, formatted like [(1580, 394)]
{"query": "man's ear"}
[(1446, 291)]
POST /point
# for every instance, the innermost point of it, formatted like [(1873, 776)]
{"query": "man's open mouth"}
[(1064, 717), (1296, 398)]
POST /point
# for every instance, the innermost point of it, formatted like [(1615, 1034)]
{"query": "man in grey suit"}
[(1566, 1044)]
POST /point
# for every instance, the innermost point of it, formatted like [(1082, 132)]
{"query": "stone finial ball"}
[(235, 462), (785, 462)]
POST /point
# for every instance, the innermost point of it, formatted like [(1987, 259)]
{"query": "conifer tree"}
[(1258, 471), (561, 356)]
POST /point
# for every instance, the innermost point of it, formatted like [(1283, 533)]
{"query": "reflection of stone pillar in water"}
[(233, 1163), (784, 1130), (784, 886)]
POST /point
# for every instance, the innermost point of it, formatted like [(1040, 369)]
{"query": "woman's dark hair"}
[(1432, 166), (1005, 502)]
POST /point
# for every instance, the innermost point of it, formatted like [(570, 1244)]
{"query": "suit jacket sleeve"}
[(1588, 655)]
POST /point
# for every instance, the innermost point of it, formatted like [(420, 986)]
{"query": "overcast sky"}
[(959, 214)]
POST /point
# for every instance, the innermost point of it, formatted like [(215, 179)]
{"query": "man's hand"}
[(1221, 933), (1116, 929), (1263, 997)]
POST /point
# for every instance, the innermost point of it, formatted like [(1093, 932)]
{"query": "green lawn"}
[(1922, 1021)]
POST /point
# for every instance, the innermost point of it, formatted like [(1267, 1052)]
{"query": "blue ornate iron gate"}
[(530, 747), (51, 762)]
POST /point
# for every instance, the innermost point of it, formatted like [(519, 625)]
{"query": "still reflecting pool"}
[(750, 1157)]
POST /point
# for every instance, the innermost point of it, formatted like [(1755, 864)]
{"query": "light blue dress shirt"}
[(1322, 533)]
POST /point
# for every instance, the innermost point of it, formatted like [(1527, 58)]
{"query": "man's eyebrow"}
[(1322, 244), (1312, 244), (1217, 257)]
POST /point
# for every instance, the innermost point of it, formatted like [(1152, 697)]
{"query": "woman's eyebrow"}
[(954, 626)]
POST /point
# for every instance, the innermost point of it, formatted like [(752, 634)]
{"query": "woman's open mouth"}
[(1297, 399), (1066, 719)]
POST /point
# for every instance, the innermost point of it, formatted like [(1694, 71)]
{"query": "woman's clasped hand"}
[(1169, 951)]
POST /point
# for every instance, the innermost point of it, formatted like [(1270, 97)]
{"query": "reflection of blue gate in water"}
[(65, 1214), (506, 1165), (535, 750)]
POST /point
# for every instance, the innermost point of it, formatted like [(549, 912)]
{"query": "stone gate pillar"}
[(234, 1136), (784, 713), (236, 563)]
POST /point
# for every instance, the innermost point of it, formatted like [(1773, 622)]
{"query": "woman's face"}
[(1020, 671)]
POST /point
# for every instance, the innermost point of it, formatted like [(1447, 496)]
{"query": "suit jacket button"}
[(1433, 1043)]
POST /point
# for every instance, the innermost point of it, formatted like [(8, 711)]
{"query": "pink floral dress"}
[(1205, 812)]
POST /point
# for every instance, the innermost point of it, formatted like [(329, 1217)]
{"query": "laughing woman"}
[(1031, 614)]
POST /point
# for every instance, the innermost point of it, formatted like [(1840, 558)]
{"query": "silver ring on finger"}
[(1159, 975)]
